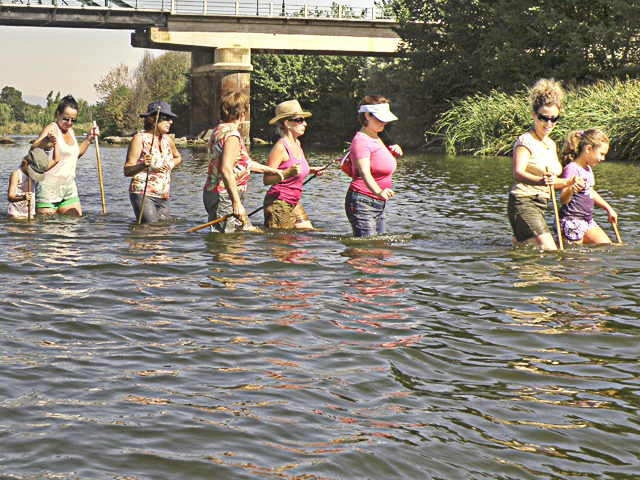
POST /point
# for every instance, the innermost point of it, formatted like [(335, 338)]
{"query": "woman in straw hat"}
[(151, 156), (230, 166), (372, 164), (282, 207)]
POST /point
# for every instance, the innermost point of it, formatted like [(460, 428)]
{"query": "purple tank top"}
[(290, 190)]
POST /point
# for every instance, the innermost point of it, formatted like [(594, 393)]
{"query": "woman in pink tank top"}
[(282, 207)]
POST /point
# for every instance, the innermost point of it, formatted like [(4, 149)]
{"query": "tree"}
[(457, 48), (328, 86), (13, 98)]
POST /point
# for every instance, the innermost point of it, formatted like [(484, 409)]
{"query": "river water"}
[(437, 351)]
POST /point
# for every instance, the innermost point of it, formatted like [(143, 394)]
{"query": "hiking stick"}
[(146, 182), (555, 211), (29, 202), (104, 207), (615, 229)]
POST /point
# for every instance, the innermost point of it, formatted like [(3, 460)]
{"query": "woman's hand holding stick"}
[(144, 195)]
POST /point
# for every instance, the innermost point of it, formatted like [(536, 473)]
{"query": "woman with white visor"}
[(372, 164)]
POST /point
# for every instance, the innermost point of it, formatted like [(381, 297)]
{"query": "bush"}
[(490, 124)]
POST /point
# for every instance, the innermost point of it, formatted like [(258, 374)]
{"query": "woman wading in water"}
[(282, 207), (58, 193), (536, 169)]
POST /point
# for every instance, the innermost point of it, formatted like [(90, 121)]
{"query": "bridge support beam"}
[(215, 72)]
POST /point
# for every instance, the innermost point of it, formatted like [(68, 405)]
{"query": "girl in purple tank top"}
[(582, 151), (282, 208)]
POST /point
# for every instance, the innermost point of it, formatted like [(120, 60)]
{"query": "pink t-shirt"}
[(290, 190), (383, 164)]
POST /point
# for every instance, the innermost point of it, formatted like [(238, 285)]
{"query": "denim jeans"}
[(366, 214), (219, 205), (155, 209)]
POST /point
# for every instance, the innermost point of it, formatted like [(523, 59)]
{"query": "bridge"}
[(221, 35)]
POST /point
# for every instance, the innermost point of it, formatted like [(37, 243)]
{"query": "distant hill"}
[(33, 100)]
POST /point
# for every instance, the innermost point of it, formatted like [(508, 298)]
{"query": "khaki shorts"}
[(526, 216), (280, 214)]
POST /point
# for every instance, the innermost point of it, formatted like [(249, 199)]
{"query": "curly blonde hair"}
[(546, 93), (578, 139)]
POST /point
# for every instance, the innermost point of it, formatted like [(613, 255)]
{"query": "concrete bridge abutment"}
[(215, 72)]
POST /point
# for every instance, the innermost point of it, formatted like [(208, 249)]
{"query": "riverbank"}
[(490, 124)]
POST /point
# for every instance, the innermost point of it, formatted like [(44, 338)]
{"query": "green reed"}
[(490, 124)]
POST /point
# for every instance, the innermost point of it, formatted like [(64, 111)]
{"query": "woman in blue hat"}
[(372, 164), (151, 156)]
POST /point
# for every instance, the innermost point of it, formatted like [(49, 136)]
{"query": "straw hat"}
[(288, 109)]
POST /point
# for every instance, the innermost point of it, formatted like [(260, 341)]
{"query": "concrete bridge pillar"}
[(214, 73)]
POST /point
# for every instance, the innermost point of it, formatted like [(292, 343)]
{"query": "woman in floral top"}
[(230, 166), (159, 160)]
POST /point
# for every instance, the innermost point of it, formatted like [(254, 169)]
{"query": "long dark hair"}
[(67, 102)]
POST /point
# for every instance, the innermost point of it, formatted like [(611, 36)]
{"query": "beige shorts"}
[(280, 214)]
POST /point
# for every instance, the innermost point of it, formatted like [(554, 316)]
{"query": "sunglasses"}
[(545, 119), (72, 120), (163, 117), (297, 120)]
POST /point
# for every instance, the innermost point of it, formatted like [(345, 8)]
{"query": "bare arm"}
[(84, 145), (364, 169), (229, 155), (601, 202), (177, 158), (13, 187), (277, 157), (48, 138), (131, 166)]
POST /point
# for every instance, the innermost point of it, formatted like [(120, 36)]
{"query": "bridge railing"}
[(262, 8)]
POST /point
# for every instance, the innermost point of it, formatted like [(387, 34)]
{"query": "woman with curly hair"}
[(536, 168)]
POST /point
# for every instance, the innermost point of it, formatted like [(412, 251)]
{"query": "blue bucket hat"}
[(153, 107)]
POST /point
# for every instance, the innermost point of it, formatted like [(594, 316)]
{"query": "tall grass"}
[(490, 124)]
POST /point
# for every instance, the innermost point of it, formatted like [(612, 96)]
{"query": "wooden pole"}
[(146, 182), (555, 211), (29, 202), (104, 207), (217, 220), (615, 229)]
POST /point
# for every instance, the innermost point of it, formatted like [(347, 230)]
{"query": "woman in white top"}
[(536, 168), (58, 193)]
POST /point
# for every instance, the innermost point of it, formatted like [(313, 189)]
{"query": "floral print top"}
[(242, 168), (160, 170)]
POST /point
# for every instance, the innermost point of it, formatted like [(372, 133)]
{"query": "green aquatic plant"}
[(490, 124)]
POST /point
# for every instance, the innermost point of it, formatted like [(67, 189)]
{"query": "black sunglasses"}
[(297, 120), (545, 119), (163, 117), (67, 120)]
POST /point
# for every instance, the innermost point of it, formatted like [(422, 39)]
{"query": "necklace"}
[(539, 139)]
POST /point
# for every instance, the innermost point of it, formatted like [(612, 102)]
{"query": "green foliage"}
[(460, 48), (6, 114), (123, 94), (330, 87), (490, 124), (22, 112)]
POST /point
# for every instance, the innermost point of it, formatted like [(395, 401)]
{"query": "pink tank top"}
[(290, 190)]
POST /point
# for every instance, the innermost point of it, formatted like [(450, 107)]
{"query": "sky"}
[(37, 60)]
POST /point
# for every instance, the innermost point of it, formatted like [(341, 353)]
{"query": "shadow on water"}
[(434, 351)]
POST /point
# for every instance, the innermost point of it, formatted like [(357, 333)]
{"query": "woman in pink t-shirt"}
[(282, 207), (372, 165)]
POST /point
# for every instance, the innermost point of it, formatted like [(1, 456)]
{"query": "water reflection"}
[(436, 351)]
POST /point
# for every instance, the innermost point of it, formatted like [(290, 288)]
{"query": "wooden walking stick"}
[(146, 182), (104, 207), (555, 211), (615, 229), (29, 202), (217, 220), (260, 208)]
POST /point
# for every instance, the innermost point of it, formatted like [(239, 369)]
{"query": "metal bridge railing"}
[(261, 8)]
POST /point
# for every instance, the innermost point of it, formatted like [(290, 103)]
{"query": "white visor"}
[(380, 110)]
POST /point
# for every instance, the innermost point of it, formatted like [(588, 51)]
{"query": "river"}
[(437, 351)]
